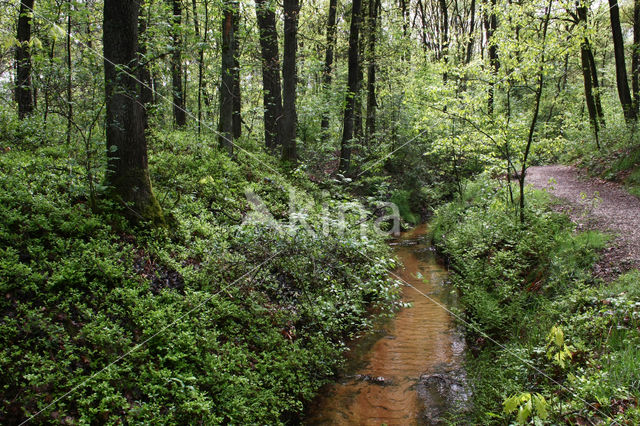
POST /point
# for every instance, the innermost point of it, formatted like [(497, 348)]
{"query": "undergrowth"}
[(547, 341), (206, 320)]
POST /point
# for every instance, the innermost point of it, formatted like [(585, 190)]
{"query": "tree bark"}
[(621, 70), (328, 61), (290, 79), (352, 89), (635, 58), (237, 93), (179, 112), (144, 75), (444, 48), (24, 86), (127, 170), (491, 25), (372, 29), (272, 93), (589, 94), (472, 25), (225, 124), (69, 76)]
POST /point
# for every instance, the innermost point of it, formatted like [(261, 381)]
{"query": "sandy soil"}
[(596, 204)]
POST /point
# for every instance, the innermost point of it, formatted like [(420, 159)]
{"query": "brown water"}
[(382, 381)]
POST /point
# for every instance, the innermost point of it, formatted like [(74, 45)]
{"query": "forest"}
[(211, 210)]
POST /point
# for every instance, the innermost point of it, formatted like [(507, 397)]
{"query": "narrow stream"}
[(408, 371)]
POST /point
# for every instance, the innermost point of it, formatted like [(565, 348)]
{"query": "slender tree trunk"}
[(590, 100), (328, 61), (472, 25), (272, 93), (225, 124), (24, 87), (596, 85), (290, 79), (196, 27), (372, 29), (144, 75), (179, 112), (237, 99), (69, 79), (536, 111), (491, 25), (621, 69), (635, 58), (444, 46), (127, 170), (352, 88)]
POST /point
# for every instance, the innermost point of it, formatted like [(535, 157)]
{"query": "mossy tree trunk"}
[(127, 170)]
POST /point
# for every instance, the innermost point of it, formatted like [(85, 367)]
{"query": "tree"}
[(24, 86), (237, 99), (635, 58), (491, 25), (621, 70), (225, 124), (588, 76), (372, 29), (271, 88), (328, 61), (127, 171), (290, 79), (179, 112), (353, 88)]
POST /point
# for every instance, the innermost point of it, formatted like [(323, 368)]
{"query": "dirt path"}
[(596, 204)]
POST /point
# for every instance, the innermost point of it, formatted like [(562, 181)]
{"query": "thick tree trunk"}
[(127, 170), (352, 88), (179, 112), (24, 87), (272, 93), (372, 29), (621, 70), (290, 79), (328, 61), (225, 124)]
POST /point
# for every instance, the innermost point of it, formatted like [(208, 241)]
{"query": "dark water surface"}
[(382, 383)]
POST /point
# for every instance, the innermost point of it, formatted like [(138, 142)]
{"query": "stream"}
[(408, 370)]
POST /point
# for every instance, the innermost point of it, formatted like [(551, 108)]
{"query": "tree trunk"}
[(635, 58), (272, 93), (372, 29), (585, 51), (179, 112), (289, 79), (127, 170), (491, 25), (69, 76), (352, 88), (144, 75), (328, 61), (621, 71), (444, 47), (24, 87), (472, 27), (237, 99), (201, 42), (225, 124)]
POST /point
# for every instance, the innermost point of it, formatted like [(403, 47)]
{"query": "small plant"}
[(527, 404), (557, 349)]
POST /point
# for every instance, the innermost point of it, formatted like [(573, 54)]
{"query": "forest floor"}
[(596, 204)]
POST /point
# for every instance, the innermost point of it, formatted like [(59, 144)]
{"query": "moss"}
[(134, 190)]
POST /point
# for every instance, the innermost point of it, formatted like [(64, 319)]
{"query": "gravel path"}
[(596, 204)]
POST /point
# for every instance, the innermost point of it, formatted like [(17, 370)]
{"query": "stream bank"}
[(408, 370)]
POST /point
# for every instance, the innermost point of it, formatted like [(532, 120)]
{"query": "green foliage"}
[(80, 289), (524, 289)]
